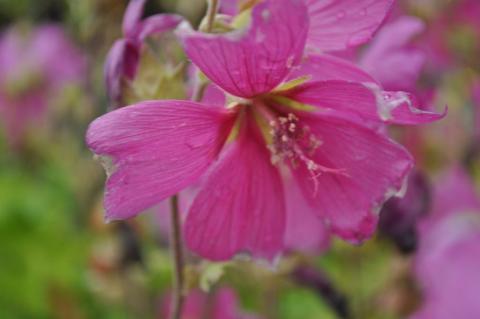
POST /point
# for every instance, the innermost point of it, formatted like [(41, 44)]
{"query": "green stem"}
[(178, 261), (211, 12)]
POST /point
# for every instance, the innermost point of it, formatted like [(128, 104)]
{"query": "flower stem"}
[(211, 12), (178, 262), (176, 228)]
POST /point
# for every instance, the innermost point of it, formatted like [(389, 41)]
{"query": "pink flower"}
[(391, 59), (222, 305), (35, 66), (342, 24), (335, 25), (123, 58), (448, 259), (248, 153)]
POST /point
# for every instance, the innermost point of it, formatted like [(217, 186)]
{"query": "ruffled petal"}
[(156, 148), (157, 24), (253, 61), (132, 17), (365, 168), (365, 101), (240, 208), (340, 24), (390, 58), (323, 67)]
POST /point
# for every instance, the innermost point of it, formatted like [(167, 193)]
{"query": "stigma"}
[(294, 144)]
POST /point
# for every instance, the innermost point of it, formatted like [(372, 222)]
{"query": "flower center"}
[(294, 143)]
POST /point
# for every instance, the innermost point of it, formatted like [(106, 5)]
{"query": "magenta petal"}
[(53, 51), (365, 101), (322, 67), (132, 17), (390, 58), (157, 24), (448, 257), (241, 206), (121, 62), (305, 230), (157, 148), (253, 61), (455, 192), (229, 7), (372, 168), (341, 24)]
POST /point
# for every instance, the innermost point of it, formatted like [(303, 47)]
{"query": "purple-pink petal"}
[(43, 61), (229, 7), (154, 149), (157, 24), (370, 169), (391, 59), (125, 59), (323, 67), (453, 284), (240, 208), (132, 17), (366, 101), (455, 192), (121, 63), (305, 230), (252, 61), (340, 24)]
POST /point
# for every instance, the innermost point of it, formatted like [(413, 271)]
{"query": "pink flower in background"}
[(123, 58), (335, 25), (448, 260), (392, 59), (343, 24), (35, 66), (453, 36), (399, 216), (267, 137), (221, 304)]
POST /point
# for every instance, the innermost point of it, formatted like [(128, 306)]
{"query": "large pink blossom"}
[(124, 56), (318, 133), (448, 259), (35, 64)]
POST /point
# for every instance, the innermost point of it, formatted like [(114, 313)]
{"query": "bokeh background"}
[(58, 259)]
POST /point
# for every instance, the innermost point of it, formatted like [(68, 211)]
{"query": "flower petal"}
[(132, 17), (253, 61), (340, 24), (366, 101), (121, 62), (229, 7), (371, 168), (322, 67), (157, 149), (305, 230), (241, 206), (390, 58), (157, 24)]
